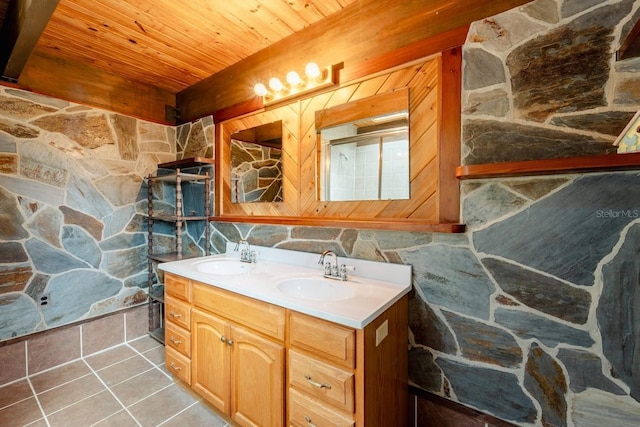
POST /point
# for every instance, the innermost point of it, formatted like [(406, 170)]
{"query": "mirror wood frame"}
[(434, 155)]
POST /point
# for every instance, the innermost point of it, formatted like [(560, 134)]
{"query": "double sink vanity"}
[(270, 340)]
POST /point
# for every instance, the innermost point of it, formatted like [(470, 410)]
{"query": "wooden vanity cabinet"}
[(335, 375), (177, 327), (238, 370)]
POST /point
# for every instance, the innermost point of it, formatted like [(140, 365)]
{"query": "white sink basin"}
[(315, 288), (223, 266)]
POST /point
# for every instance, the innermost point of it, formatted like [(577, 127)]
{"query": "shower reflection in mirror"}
[(366, 159)]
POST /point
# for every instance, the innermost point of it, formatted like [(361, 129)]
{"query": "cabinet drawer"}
[(304, 412), (177, 338), (178, 365), (178, 312), (177, 286), (322, 381), (257, 315), (333, 342)]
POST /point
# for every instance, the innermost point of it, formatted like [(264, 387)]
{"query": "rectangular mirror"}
[(363, 149), (366, 159), (256, 164)]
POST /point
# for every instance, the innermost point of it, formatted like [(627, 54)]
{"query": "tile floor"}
[(123, 386)]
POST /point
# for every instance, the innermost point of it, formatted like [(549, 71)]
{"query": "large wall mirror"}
[(256, 164), (366, 158), (428, 198)]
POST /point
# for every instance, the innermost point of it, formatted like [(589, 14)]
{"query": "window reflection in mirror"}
[(366, 159), (256, 164)]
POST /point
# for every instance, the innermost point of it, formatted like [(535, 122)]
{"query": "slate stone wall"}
[(72, 193)]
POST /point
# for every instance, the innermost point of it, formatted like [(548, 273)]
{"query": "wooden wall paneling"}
[(450, 124), (83, 84)]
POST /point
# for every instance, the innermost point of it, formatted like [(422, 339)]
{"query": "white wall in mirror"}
[(365, 166)]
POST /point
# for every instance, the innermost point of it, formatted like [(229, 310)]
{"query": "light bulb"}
[(312, 70), (293, 78), (260, 89), (276, 84)]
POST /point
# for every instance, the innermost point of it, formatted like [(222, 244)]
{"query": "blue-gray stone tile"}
[(504, 397), (451, 277), (51, 260), (545, 381), (529, 325), (79, 243), (72, 294), (540, 292), (581, 223), (618, 312), (585, 371), (19, 315)]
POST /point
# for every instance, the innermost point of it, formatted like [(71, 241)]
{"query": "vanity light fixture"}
[(315, 78)]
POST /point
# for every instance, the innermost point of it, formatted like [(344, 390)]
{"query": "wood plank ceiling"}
[(173, 44), (165, 44)]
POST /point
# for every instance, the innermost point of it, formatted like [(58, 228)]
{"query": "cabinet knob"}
[(230, 341), (175, 341), (175, 315), (308, 420), (316, 383), (223, 338), (174, 367)]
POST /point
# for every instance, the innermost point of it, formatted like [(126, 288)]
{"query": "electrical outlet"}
[(45, 299)]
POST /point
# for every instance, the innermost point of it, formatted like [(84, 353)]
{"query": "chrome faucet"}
[(331, 270), (246, 254)]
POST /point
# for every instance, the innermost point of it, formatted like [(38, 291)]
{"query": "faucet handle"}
[(343, 271)]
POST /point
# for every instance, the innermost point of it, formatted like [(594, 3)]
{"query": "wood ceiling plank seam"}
[(91, 19)]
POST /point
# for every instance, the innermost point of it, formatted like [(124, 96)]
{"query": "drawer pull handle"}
[(174, 367), (175, 315), (308, 420), (175, 341), (316, 383)]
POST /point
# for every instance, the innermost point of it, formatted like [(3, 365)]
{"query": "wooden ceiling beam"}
[(23, 25), (362, 33)]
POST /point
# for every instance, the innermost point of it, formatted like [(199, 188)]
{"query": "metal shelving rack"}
[(176, 177)]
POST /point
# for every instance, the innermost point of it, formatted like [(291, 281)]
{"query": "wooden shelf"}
[(400, 224), (602, 163), (191, 162)]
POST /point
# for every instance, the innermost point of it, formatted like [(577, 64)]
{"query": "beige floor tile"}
[(101, 334), (137, 388), (13, 362), (63, 374), (40, 423), (145, 343), (124, 370), (110, 357), (67, 394), (120, 419), (155, 355), (53, 349), (15, 392), (20, 414), (196, 415), (86, 412), (161, 406)]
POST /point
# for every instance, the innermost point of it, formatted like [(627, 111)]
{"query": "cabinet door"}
[(210, 358), (257, 379)]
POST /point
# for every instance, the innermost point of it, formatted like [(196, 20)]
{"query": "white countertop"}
[(372, 287)]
